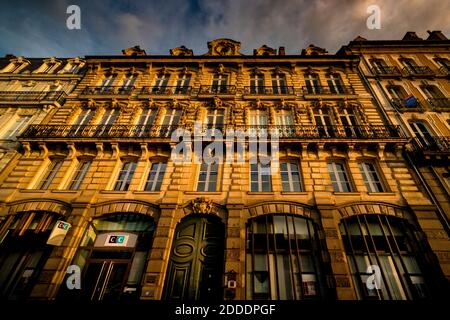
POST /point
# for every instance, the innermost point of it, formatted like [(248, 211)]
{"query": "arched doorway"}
[(195, 269), (23, 251), (113, 256)]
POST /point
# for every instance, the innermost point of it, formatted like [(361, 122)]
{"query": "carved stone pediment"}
[(181, 51), (223, 47), (264, 51), (313, 50), (134, 51)]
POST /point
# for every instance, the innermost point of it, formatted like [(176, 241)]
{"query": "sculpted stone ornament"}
[(134, 51), (264, 51), (202, 206), (223, 47), (181, 51), (312, 50)]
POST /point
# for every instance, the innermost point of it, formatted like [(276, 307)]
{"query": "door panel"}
[(196, 263)]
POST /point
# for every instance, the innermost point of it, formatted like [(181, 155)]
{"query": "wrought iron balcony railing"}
[(433, 144), (418, 71), (33, 96), (268, 90), (332, 90), (444, 70), (386, 71), (219, 89), (107, 90), (98, 131), (440, 103), (167, 90), (362, 132), (411, 104)]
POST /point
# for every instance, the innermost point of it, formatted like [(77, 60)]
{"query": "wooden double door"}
[(195, 270)]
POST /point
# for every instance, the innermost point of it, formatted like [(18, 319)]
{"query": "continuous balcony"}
[(440, 104), (418, 71), (166, 91), (32, 97), (269, 90), (407, 105), (436, 148), (386, 71), (314, 92), (217, 90), (107, 91), (288, 132), (444, 70)]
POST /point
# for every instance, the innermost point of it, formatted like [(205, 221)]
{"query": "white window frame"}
[(259, 171), (212, 117), (207, 168), (170, 115), (339, 183), (289, 171), (128, 168), (159, 170), (312, 81), (279, 83), (367, 173), (257, 83), (50, 173), (79, 174)]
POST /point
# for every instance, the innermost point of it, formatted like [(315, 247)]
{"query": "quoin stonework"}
[(361, 180)]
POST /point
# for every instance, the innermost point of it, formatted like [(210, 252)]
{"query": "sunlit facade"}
[(342, 197)]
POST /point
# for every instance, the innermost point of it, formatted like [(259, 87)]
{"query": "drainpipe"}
[(441, 214)]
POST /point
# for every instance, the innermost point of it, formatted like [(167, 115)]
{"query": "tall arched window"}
[(283, 258), (387, 243)]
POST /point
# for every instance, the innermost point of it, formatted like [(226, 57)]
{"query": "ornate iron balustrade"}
[(219, 89), (418, 71), (107, 90), (262, 90), (98, 131), (404, 105), (386, 71), (361, 132), (437, 144), (318, 90), (440, 103), (167, 90), (33, 96), (444, 70)]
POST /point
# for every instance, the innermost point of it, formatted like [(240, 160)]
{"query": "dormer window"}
[(15, 65)]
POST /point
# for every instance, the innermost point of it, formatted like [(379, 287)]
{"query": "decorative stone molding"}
[(223, 47), (204, 206), (368, 207), (313, 50), (181, 51), (125, 206), (50, 205), (134, 51), (280, 207)]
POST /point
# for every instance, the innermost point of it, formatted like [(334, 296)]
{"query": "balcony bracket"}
[(44, 150)]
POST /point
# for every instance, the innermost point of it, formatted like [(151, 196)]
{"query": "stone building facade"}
[(340, 203)]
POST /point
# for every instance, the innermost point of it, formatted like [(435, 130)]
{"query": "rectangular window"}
[(125, 176), (182, 85), (215, 118), (79, 174), (171, 117), (84, 117), (219, 83), (371, 177), (161, 83), (17, 127), (313, 84), (52, 170), (128, 82), (207, 177), (260, 177), (109, 117), (339, 177), (279, 84), (147, 117), (258, 118), (290, 177), (335, 84), (257, 84), (155, 176)]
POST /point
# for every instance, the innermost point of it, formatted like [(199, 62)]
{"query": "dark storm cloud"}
[(38, 28)]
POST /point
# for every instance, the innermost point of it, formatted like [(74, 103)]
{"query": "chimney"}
[(281, 51), (436, 35)]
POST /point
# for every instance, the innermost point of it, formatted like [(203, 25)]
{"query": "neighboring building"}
[(409, 78), (342, 202), (30, 89)]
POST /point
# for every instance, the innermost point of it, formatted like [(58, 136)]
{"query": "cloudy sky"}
[(38, 28)]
